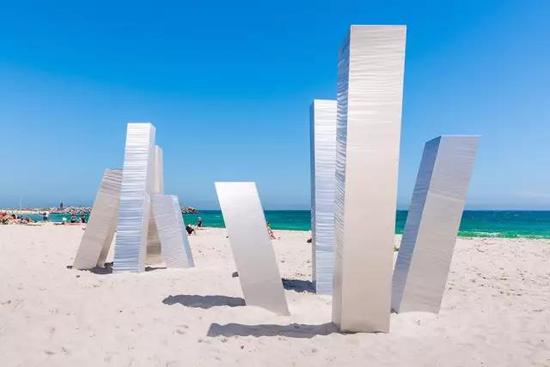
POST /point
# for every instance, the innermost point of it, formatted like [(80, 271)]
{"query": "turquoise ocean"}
[(475, 223)]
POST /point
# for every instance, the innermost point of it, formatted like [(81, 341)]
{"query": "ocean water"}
[(486, 223)]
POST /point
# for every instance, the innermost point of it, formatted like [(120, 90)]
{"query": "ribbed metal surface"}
[(176, 251), (100, 229), (135, 203), (323, 162), (252, 250), (369, 93), (434, 216)]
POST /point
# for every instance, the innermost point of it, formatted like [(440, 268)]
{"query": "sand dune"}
[(494, 313)]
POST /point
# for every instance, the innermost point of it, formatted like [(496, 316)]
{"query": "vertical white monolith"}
[(153, 241), (429, 237), (323, 165), (135, 201), (369, 94)]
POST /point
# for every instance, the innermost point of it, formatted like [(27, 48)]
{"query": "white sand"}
[(495, 311)]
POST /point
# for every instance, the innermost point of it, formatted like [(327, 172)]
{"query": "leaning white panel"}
[(176, 251), (153, 241), (254, 256), (369, 93), (432, 223), (323, 162), (100, 229), (135, 204)]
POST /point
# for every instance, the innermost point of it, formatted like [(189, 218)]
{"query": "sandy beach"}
[(494, 313)]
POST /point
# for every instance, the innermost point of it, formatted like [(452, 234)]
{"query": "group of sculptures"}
[(354, 165)]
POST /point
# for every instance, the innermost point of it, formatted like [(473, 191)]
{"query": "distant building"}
[(61, 206)]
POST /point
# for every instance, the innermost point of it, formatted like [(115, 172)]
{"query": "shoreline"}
[(461, 235)]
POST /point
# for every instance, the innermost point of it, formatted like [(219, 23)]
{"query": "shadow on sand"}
[(298, 285), (291, 331), (206, 302), (108, 269)]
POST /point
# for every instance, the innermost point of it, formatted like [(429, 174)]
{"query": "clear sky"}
[(228, 85)]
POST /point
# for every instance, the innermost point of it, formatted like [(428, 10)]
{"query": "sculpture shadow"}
[(108, 269), (153, 268), (205, 302), (98, 270), (298, 285), (291, 331)]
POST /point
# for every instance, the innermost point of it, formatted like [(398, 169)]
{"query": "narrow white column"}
[(432, 223), (96, 241), (135, 201), (153, 241), (252, 250), (323, 165), (176, 251), (369, 92)]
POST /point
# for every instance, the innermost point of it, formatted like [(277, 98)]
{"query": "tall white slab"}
[(323, 165), (252, 250), (369, 93), (153, 242), (135, 201), (96, 241), (176, 251), (432, 223)]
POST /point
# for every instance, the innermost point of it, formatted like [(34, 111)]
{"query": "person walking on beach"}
[(199, 222), (45, 216)]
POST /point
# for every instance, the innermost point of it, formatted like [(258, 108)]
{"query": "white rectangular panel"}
[(252, 250), (153, 241), (101, 226), (135, 203), (369, 93), (432, 223), (323, 165), (176, 251)]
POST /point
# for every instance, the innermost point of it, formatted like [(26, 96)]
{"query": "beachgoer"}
[(74, 219), (189, 229), (270, 232), (82, 217), (64, 220), (199, 222)]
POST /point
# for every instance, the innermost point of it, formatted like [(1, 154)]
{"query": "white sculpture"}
[(432, 223), (96, 241), (369, 93), (135, 201), (125, 201), (252, 250), (153, 242), (323, 165), (175, 248)]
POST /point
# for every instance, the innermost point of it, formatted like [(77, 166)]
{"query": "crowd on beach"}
[(12, 218), (7, 218), (79, 217)]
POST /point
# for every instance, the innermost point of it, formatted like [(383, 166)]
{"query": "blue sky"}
[(228, 86)]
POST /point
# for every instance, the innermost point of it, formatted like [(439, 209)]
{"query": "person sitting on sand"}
[(190, 230), (270, 232)]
